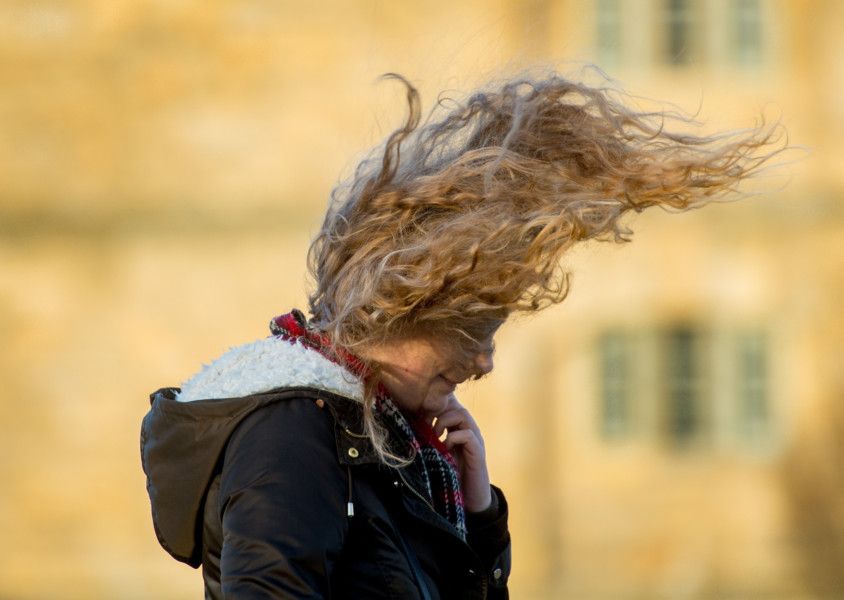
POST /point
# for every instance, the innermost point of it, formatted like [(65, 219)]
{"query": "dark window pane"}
[(683, 402), (608, 31), (753, 384), (615, 384), (678, 32), (746, 31)]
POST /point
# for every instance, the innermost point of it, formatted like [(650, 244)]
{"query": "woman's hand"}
[(464, 441)]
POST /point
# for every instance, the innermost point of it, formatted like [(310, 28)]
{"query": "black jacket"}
[(258, 489)]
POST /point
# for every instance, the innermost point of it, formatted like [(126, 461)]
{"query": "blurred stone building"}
[(673, 430)]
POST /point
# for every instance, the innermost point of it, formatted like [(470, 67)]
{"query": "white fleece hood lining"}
[(268, 364)]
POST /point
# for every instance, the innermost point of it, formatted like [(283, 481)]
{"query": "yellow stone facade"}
[(673, 430)]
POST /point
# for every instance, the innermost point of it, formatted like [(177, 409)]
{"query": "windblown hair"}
[(453, 224)]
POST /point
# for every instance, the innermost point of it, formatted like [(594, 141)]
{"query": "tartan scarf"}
[(409, 435)]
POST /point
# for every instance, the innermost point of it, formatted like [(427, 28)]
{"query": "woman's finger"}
[(468, 444), (453, 419)]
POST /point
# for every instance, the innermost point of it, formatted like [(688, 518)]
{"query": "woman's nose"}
[(483, 362)]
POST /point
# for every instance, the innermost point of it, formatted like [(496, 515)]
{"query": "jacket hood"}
[(186, 430)]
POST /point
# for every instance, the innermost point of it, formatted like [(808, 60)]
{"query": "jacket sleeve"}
[(489, 537), (282, 504)]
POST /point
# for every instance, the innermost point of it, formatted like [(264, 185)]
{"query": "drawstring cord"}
[(350, 505)]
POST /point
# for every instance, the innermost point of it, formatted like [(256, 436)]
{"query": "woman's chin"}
[(436, 405), (446, 386)]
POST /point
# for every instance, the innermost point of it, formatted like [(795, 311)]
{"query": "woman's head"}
[(422, 372), (451, 226)]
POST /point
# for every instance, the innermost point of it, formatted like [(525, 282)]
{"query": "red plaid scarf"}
[(410, 435)]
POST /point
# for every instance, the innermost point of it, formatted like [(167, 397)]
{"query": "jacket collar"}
[(273, 364), (266, 365)]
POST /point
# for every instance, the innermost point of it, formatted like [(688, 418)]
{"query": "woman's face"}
[(421, 373)]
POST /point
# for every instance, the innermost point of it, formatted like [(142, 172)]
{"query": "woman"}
[(310, 464)]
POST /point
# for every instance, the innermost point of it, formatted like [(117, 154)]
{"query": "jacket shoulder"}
[(183, 446), (275, 439)]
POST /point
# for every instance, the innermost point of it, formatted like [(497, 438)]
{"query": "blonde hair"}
[(450, 226)]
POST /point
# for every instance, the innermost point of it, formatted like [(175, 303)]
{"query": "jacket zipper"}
[(484, 585)]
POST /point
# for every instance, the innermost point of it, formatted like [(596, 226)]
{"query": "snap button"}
[(496, 574), (353, 452)]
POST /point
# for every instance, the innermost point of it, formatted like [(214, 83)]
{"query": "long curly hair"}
[(453, 224)]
